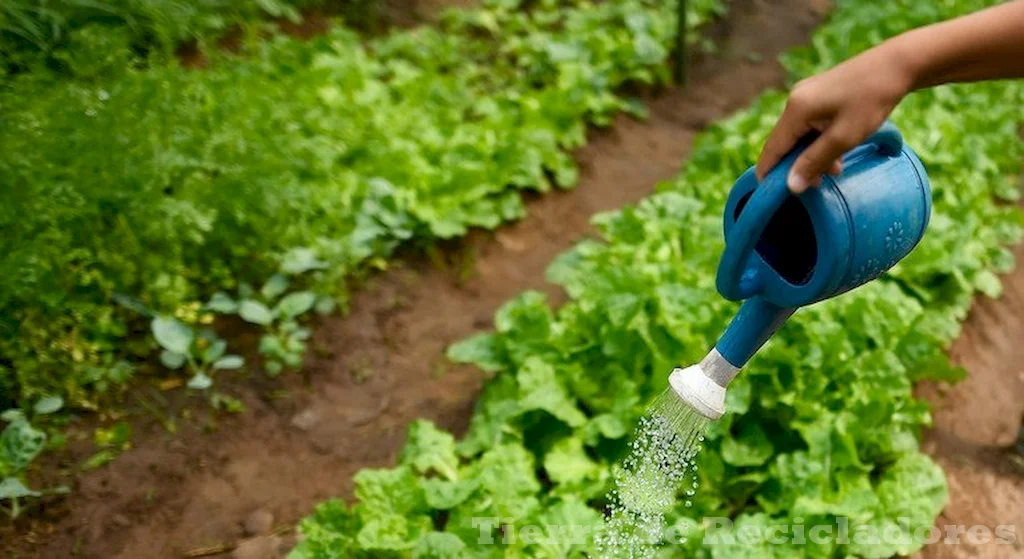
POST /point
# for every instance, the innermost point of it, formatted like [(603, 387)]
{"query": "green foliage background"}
[(36, 34), (822, 424), (161, 186)]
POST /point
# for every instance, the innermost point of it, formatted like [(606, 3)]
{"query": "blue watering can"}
[(784, 251)]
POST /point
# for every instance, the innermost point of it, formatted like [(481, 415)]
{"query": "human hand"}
[(845, 104)]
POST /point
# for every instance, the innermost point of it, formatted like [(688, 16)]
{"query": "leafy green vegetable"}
[(444, 495), (255, 312), (172, 335), (439, 545), (908, 493), (540, 389), (20, 444), (393, 509), (568, 465), (431, 450)]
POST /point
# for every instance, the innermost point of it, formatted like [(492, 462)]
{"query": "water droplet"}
[(659, 463)]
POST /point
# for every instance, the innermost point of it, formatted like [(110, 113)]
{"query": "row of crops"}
[(48, 34), (139, 194), (823, 424)]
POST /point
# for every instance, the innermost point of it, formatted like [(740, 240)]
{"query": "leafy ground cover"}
[(152, 192), (822, 424), (49, 34)]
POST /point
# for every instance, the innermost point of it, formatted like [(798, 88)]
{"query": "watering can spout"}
[(755, 322), (703, 385)]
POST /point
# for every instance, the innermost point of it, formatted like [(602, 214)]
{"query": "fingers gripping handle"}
[(739, 275)]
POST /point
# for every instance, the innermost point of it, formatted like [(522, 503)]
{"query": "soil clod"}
[(259, 521)]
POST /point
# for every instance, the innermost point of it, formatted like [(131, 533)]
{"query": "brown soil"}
[(977, 419), (302, 437)]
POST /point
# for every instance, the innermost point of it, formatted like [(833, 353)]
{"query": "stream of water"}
[(660, 462)]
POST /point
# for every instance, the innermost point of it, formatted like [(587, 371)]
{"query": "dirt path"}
[(382, 365), (977, 418)]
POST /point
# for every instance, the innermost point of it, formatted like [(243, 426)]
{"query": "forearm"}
[(850, 101), (981, 46)]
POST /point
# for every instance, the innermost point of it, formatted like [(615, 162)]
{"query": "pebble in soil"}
[(646, 487)]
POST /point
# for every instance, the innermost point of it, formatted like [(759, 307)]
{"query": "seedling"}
[(20, 444), (201, 350), (226, 403), (284, 341), (111, 442)]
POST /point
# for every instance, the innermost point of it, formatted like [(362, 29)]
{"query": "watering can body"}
[(785, 251)]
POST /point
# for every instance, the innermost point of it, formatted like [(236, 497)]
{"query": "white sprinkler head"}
[(702, 386)]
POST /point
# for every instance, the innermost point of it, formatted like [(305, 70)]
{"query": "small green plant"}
[(201, 350), (20, 444), (111, 441), (226, 402), (284, 342)]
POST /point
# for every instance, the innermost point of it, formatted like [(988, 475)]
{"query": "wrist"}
[(909, 65)]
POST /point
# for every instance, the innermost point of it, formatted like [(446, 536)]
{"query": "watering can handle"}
[(733, 281)]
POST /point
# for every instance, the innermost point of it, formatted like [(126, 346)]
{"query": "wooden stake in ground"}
[(680, 50)]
